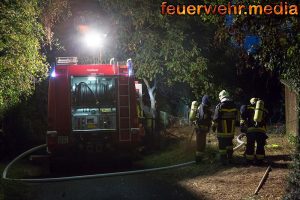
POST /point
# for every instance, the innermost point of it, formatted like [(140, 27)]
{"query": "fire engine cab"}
[(92, 108)]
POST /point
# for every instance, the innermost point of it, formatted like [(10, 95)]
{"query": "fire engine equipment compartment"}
[(93, 100)]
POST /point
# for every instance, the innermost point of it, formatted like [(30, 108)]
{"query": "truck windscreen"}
[(93, 103)]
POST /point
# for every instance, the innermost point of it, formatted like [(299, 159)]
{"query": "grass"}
[(179, 151), (183, 151), (11, 190), (174, 154)]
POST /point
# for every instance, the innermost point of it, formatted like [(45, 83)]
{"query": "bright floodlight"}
[(53, 74), (94, 39)]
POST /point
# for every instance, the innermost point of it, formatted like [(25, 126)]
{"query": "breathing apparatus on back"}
[(194, 108), (258, 111)]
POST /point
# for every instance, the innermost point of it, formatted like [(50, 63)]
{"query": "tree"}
[(279, 36), (163, 48), (52, 12), (174, 62), (21, 61)]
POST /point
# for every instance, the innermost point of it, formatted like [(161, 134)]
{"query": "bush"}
[(293, 190)]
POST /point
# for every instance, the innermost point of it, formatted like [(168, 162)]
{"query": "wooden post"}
[(264, 178)]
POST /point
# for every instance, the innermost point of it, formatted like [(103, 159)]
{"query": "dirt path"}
[(239, 183), (214, 181)]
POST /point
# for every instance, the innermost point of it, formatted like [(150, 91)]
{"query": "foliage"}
[(294, 183), (52, 11), (293, 189), (279, 35), (25, 124), (21, 63), (292, 138), (163, 48)]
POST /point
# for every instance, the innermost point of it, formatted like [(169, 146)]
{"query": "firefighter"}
[(203, 125), (253, 123), (139, 111), (224, 119)]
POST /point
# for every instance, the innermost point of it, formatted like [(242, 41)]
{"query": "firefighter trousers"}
[(201, 140), (225, 148), (260, 140)]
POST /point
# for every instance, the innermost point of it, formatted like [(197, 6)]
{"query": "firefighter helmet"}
[(223, 94), (253, 101)]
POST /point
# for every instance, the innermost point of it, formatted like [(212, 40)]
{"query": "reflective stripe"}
[(242, 121), (226, 135), (260, 157), (232, 126), (250, 107), (228, 110), (249, 157), (256, 129), (224, 126)]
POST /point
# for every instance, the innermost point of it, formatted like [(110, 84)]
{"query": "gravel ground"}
[(239, 183)]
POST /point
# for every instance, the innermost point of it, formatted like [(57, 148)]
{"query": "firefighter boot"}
[(249, 159)]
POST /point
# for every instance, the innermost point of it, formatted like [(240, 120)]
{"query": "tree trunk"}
[(152, 95), (154, 134)]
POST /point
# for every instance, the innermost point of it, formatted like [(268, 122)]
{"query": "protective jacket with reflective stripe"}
[(225, 117)]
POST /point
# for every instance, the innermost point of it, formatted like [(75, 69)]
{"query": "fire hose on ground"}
[(240, 142), (73, 178)]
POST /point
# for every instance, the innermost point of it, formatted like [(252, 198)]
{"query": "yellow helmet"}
[(223, 94), (253, 101)]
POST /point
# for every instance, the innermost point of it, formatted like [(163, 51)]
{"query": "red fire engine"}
[(92, 109)]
